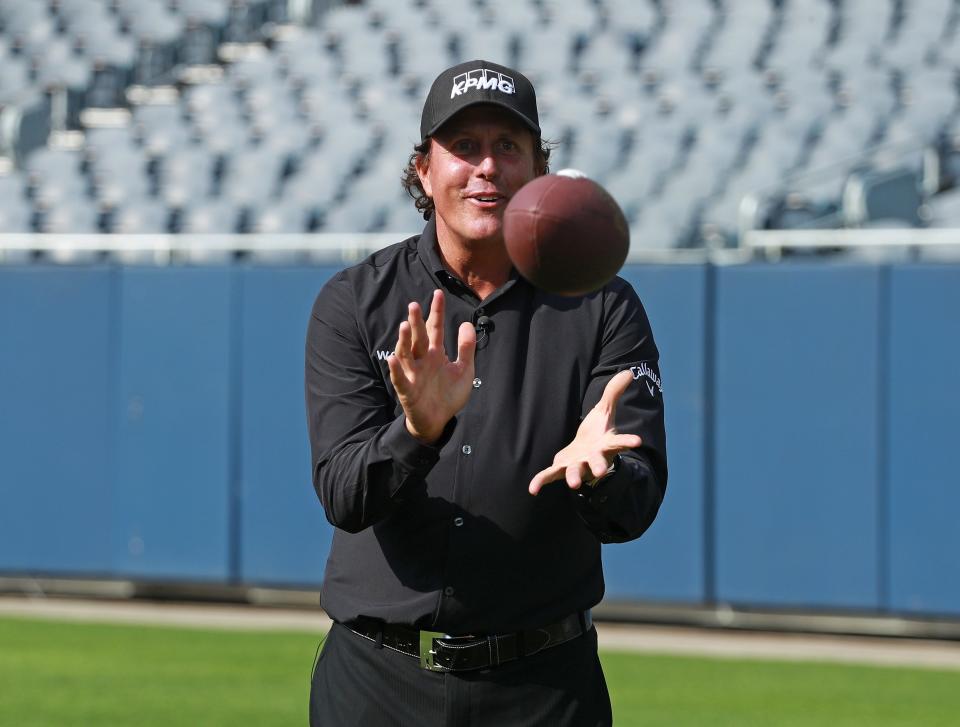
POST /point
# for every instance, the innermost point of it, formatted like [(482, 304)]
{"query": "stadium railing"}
[(347, 248)]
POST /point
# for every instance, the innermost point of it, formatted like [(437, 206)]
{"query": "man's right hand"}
[(431, 388)]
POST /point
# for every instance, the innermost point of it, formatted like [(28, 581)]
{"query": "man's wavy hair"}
[(411, 180)]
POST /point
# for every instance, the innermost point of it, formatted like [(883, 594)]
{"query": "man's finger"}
[(466, 345), (403, 350), (418, 331), (599, 465), (435, 320), (575, 474), (543, 477), (615, 388), (397, 377), (625, 441)]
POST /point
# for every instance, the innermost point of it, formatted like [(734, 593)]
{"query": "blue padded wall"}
[(923, 428), (152, 426), (55, 376), (667, 562), (173, 494), (797, 434), (285, 536)]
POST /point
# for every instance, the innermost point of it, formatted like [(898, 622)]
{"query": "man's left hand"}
[(596, 443)]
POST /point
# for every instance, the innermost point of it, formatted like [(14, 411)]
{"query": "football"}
[(565, 233)]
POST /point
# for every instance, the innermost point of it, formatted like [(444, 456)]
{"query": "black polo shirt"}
[(447, 537)]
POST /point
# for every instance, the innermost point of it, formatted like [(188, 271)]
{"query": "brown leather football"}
[(565, 234)]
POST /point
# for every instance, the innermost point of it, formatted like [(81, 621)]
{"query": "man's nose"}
[(488, 165)]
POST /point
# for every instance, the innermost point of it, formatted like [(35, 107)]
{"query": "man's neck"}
[(483, 266)]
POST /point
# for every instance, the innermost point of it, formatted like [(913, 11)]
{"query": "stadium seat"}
[(16, 214), (929, 98), (517, 15), (73, 216), (213, 216), (54, 177), (600, 148), (632, 17), (288, 216), (943, 210), (549, 58), (370, 201), (804, 31), (158, 116), (420, 54), (144, 216), (656, 228), (204, 24), (403, 218), (610, 57), (253, 175), (844, 137), (578, 15), (186, 173), (223, 136), (676, 47), (314, 182)]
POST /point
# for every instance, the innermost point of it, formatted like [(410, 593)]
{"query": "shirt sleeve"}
[(624, 503), (364, 461)]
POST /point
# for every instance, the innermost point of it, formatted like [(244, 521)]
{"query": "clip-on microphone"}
[(484, 326)]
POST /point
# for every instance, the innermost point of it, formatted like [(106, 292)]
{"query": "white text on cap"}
[(481, 79)]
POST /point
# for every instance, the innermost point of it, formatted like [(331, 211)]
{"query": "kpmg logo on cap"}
[(481, 79)]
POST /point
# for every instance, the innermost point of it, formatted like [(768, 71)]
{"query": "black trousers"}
[(357, 683)]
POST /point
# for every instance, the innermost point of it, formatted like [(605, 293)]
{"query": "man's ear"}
[(423, 166)]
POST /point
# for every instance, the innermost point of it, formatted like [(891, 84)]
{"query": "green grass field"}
[(54, 673)]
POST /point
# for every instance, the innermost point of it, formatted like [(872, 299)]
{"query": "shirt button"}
[(466, 449), (448, 591), (476, 383), (458, 521)]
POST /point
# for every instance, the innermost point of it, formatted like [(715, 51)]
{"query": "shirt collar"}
[(427, 248), (429, 253)]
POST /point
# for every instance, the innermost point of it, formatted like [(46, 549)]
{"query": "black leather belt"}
[(441, 652)]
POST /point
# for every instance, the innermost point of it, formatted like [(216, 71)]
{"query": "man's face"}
[(478, 160)]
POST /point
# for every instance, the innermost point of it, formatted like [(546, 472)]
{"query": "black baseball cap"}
[(478, 82)]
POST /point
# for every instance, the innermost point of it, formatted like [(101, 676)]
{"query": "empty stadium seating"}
[(287, 116)]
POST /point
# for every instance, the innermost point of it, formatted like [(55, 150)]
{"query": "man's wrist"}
[(442, 436), (428, 438)]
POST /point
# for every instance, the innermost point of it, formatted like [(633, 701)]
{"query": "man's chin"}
[(477, 229), (485, 234)]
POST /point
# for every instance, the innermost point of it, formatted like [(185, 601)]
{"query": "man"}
[(474, 458)]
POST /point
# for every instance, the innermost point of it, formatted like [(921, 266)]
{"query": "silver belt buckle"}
[(426, 650)]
